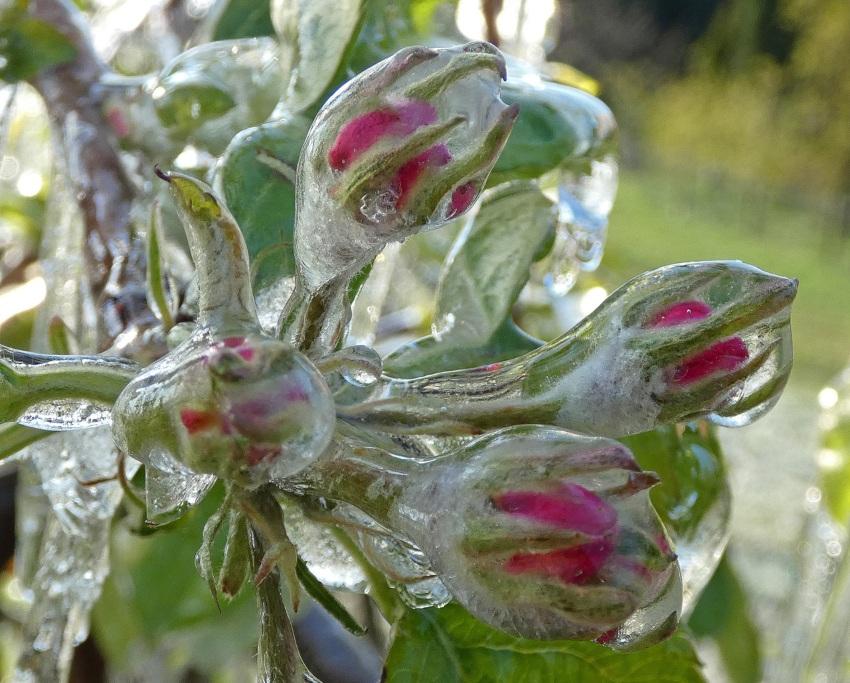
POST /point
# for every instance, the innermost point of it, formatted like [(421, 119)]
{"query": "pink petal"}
[(363, 131), (570, 507), (680, 314), (576, 565), (724, 356)]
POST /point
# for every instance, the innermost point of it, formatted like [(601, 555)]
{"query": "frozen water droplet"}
[(584, 203), (407, 570), (326, 558)]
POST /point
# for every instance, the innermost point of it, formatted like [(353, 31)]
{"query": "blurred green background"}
[(735, 119)]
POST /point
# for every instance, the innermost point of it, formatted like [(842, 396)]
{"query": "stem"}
[(28, 379), (313, 321), (14, 437), (368, 478), (278, 659)]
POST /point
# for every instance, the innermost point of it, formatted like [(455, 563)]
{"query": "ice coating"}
[(248, 409), (209, 93), (171, 488), (639, 360), (550, 535), (59, 393), (584, 183), (325, 556), (405, 145)]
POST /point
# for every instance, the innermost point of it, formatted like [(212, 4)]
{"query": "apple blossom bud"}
[(248, 409), (551, 534), (697, 339), (407, 144)]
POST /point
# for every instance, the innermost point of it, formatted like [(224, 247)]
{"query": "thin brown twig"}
[(73, 96)]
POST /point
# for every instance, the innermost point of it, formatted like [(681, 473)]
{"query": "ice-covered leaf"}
[(243, 19), (222, 269), (693, 497), (209, 93), (450, 646), (723, 616), (427, 355), (314, 37), (489, 263), (325, 598), (256, 177), (29, 45), (59, 393), (557, 126)]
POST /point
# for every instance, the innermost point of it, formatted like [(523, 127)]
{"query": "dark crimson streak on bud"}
[(681, 313), (575, 565), (362, 132), (198, 420), (724, 356), (462, 197), (571, 506), (410, 172)]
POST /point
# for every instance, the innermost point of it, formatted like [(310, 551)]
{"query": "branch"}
[(105, 194)]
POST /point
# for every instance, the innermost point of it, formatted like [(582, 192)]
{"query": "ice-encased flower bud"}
[(547, 534), (406, 144), (246, 408), (697, 339)]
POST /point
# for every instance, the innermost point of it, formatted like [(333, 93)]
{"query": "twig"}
[(105, 194)]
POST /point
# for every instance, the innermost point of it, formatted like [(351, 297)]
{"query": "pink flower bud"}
[(248, 409), (407, 144), (546, 534)]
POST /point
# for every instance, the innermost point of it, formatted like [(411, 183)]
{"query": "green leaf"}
[(483, 275), (449, 646), (14, 437), (426, 355), (325, 598), (207, 94), (29, 45), (489, 262), (190, 99), (689, 460), (243, 19), (557, 126), (315, 39), (260, 192), (722, 614)]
